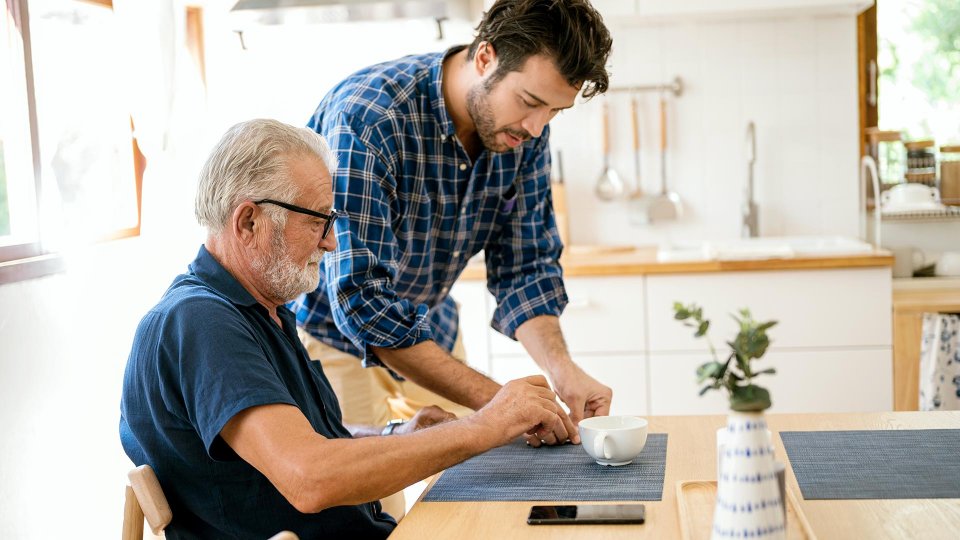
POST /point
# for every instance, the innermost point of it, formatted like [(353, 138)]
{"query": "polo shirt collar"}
[(435, 89), (208, 269)]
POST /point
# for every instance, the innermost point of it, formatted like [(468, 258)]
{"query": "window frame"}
[(30, 260)]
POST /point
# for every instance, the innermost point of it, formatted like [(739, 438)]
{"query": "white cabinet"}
[(471, 299), (604, 314), (625, 374), (815, 308), (831, 348), (848, 380), (615, 8), (688, 10)]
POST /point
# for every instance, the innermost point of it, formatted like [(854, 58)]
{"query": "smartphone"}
[(586, 514)]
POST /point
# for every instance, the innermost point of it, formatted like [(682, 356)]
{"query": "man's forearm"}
[(434, 369), (543, 340)]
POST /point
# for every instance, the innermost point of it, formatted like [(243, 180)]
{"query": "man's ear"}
[(245, 222), (485, 59)]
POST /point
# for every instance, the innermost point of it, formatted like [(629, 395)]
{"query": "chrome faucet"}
[(748, 211)]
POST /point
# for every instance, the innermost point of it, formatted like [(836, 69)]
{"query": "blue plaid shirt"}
[(418, 209)]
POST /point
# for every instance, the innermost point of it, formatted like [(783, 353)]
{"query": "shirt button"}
[(443, 137), (444, 290), (456, 254), (463, 166)]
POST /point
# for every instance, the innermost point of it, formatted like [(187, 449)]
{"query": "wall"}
[(794, 77)]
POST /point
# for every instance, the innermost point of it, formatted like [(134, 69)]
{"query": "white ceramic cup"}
[(613, 440), (908, 195), (949, 264)]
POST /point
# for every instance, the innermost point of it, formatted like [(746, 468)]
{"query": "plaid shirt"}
[(418, 209)]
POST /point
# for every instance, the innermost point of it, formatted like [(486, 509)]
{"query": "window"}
[(70, 169)]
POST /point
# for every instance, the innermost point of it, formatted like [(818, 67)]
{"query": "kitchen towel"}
[(517, 472), (886, 464)]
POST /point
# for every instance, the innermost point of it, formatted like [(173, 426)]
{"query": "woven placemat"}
[(885, 464), (517, 472)]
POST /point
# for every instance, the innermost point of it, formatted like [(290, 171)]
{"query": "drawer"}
[(605, 314), (815, 308), (806, 382)]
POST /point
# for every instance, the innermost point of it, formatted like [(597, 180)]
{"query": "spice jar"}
[(887, 150), (950, 174), (921, 162)]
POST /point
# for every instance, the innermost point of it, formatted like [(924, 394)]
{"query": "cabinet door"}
[(615, 8), (625, 374), (471, 298), (815, 308), (806, 382), (605, 314)]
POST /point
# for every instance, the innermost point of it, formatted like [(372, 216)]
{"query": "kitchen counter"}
[(582, 260)]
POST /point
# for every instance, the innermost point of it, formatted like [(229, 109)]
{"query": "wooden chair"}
[(145, 499)]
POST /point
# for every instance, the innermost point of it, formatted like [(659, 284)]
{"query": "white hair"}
[(250, 163)]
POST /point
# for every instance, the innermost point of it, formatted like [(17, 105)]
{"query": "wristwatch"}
[(391, 426)]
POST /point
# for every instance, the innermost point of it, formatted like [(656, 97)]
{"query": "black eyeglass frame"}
[(330, 218)]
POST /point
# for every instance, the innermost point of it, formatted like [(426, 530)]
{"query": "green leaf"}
[(702, 329), (706, 388), (769, 371), (750, 398), (709, 370)]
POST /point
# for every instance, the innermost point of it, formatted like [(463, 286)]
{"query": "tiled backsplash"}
[(796, 78)]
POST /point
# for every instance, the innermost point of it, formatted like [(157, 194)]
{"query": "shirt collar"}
[(437, 103), (208, 269)]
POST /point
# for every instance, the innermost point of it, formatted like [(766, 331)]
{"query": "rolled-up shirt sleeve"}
[(523, 261), (361, 273)]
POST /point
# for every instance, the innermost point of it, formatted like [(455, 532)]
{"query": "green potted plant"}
[(735, 374), (748, 493)]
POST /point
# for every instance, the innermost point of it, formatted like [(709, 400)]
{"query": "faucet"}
[(748, 226), (868, 168)]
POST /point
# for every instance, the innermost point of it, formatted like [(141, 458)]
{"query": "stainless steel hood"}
[(332, 11)]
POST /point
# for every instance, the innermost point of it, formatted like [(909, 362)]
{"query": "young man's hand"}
[(425, 417)]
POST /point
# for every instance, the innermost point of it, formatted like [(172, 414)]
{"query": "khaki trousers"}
[(370, 396)]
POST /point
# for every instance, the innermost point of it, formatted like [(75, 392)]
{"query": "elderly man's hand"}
[(425, 417)]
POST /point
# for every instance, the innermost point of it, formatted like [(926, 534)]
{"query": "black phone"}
[(586, 514)]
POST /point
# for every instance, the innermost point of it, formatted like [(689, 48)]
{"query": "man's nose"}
[(534, 123), (330, 242)]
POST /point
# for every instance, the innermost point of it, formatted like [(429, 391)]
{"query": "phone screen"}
[(586, 514)]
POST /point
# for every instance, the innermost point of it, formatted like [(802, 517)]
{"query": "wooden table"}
[(691, 455)]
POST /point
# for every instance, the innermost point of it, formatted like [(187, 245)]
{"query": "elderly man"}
[(222, 400)]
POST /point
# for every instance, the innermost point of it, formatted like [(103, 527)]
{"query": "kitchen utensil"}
[(949, 264), (613, 440), (609, 185), (950, 174), (666, 205), (637, 192)]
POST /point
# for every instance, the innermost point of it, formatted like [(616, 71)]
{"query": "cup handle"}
[(599, 448)]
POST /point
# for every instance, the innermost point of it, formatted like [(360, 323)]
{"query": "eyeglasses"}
[(331, 217)]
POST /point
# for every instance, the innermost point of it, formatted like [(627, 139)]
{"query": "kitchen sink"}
[(772, 247)]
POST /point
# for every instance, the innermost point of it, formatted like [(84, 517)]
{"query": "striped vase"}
[(748, 495)]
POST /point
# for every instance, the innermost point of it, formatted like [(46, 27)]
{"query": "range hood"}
[(335, 11)]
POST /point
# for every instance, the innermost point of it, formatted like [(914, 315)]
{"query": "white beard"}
[(284, 278)]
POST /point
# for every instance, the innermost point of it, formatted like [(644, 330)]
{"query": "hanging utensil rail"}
[(676, 87)]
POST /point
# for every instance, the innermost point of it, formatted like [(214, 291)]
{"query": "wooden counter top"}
[(620, 261)]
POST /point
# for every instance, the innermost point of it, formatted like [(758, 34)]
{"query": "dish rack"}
[(942, 213)]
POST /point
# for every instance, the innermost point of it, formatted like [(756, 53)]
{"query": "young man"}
[(444, 155), (221, 399)]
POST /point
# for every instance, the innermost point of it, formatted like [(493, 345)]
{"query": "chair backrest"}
[(145, 499)]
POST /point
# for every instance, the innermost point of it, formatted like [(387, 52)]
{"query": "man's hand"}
[(584, 395), (425, 417), (524, 406)]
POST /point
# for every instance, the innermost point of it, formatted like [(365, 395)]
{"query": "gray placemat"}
[(517, 472), (887, 464)]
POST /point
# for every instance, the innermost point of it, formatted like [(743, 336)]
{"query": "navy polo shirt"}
[(204, 353)]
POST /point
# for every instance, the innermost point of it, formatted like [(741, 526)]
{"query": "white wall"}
[(794, 77)]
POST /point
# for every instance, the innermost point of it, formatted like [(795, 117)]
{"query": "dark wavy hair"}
[(571, 32)]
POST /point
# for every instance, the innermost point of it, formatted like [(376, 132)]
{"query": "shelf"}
[(947, 213)]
